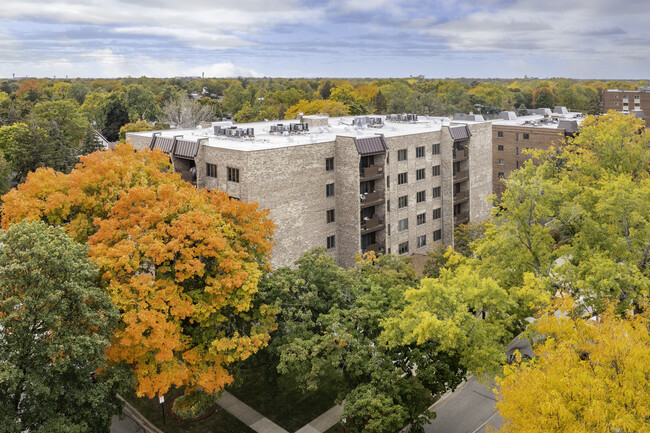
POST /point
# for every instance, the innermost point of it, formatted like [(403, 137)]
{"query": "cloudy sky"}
[(326, 38)]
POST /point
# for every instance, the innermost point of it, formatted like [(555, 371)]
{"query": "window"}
[(517, 136), (403, 225), (501, 175), (329, 164), (516, 151), (403, 201), (500, 147), (422, 241), (436, 170), (233, 174), (419, 152), (402, 154), (437, 213), (437, 235), (387, 182), (500, 134), (421, 219), (402, 178), (419, 174), (637, 97), (329, 190), (388, 229), (501, 162), (437, 192), (421, 196), (435, 149), (330, 216), (526, 136), (404, 248), (616, 103), (387, 205), (211, 170), (517, 163), (331, 242)]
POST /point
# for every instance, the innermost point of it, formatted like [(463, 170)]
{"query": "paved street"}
[(470, 409)]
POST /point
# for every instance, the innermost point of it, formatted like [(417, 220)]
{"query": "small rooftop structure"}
[(560, 110), (508, 115), (469, 117)]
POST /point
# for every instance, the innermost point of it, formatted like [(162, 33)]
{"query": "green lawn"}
[(219, 422), (280, 398)]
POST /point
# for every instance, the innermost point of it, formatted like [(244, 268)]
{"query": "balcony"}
[(372, 172), (187, 176), (461, 196), (461, 218), (372, 199), (461, 176), (460, 155), (371, 225), (376, 247)]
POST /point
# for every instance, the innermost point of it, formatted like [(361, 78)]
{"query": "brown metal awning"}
[(371, 145), (163, 143), (460, 133), (186, 149)]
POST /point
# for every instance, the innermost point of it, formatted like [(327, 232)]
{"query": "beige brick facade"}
[(288, 175)]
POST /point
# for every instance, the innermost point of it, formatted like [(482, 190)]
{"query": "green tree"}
[(140, 125), (543, 97), (90, 142), (234, 98), (329, 325), (115, 115), (56, 323)]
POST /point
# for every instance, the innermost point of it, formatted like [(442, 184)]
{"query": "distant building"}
[(394, 184), (636, 102), (512, 135)]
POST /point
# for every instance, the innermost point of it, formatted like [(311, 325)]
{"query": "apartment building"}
[(512, 136), (636, 102), (394, 184)]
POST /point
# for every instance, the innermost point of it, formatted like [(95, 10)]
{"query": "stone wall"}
[(480, 171)]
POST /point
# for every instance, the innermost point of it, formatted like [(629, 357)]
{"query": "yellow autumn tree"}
[(590, 375), (182, 265)]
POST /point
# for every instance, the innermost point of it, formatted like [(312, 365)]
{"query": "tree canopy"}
[(329, 327), (588, 375), (182, 265), (55, 323)]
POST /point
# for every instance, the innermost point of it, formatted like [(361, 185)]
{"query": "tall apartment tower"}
[(636, 102), (396, 185)]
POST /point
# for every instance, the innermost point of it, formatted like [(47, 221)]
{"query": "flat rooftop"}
[(264, 139), (539, 121)]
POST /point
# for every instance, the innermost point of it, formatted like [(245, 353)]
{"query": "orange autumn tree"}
[(182, 265)]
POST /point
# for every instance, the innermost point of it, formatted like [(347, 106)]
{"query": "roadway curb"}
[(138, 417), (448, 394)]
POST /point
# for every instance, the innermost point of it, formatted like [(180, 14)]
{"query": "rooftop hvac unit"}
[(217, 130), (250, 132)]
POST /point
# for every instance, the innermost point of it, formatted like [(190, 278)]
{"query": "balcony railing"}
[(376, 247), (460, 155), (372, 198), (461, 196), (372, 224), (372, 172), (461, 175), (461, 218)]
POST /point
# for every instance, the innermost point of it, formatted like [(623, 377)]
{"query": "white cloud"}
[(555, 27), (106, 63), (215, 24)]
